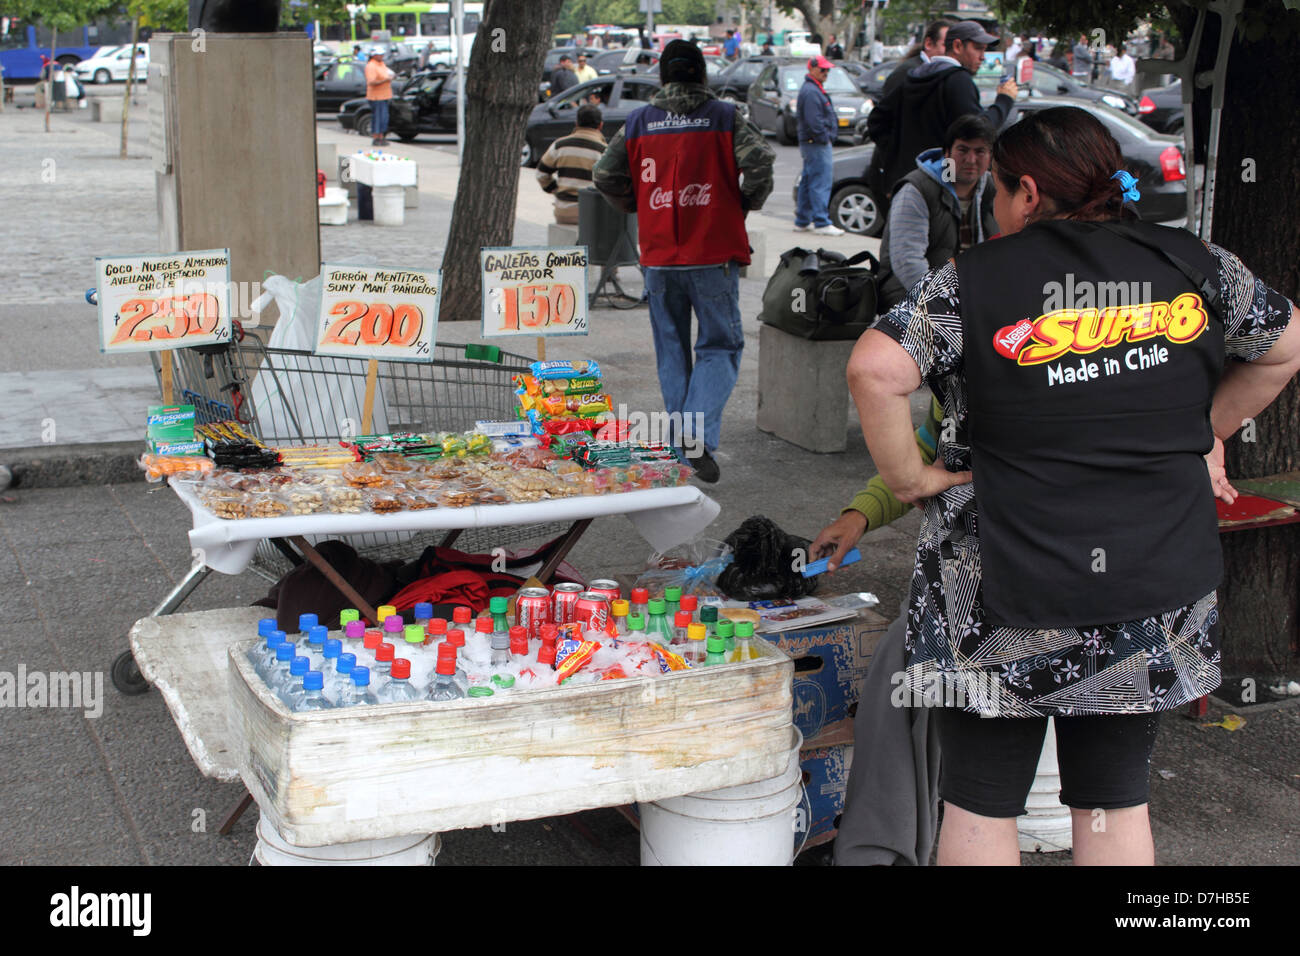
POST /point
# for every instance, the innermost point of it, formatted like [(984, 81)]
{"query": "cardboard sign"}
[(152, 303), (534, 291), (378, 312)]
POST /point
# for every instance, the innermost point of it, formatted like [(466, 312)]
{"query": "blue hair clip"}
[(1129, 185)]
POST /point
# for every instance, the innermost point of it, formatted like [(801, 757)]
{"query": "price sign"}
[(378, 312), (534, 291), (152, 303)]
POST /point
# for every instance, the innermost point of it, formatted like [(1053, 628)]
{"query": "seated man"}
[(566, 166), (943, 206)]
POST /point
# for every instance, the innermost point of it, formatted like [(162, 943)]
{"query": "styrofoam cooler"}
[(383, 172), (1046, 826), (390, 205), (754, 824), (273, 850), (334, 206)]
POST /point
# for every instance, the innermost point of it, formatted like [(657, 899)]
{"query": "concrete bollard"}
[(327, 161), (561, 234), (809, 409)]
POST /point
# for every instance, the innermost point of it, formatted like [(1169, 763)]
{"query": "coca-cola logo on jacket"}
[(695, 194)]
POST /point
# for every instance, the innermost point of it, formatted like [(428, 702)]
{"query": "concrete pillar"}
[(803, 396)]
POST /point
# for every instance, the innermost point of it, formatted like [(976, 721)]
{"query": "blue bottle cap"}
[(361, 676), (265, 626), (318, 634), (345, 663), (284, 651), (333, 647), (313, 680), (279, 638), (299, 665), (423, 611), (306, 622)]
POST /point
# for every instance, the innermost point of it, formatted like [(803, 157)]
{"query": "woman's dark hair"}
[(1071, 156), (932, 33)]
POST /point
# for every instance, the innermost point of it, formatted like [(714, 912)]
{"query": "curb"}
[(67, 466)]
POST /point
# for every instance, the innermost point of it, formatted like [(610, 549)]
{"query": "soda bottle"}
[(638, 603), (385, 653), (354, 630), (436, 629), (695, 649), (287, 682), (618, 611), (461, 616), (636, 628), (444, 685), (546, 653), (347, 616), (450, 649), (484, 629), (709, 618), (690, 604), (414, 634), (658, 627), (372, 639), (423, 613), (518, 643), (672, 601), (497, 607), (265, 659), (744, 651), (357, 691), (383, 612), (727, 631), (393, 625), (681, 621), (399, 687), (716, 651), (278, 671), (500, 650)]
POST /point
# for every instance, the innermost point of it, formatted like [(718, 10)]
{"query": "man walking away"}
[(818, 127), (563, 77), (678, 163), (379, 91), (566, 166)]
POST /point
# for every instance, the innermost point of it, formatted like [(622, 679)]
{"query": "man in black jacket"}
[(915, 116), (931, 45)]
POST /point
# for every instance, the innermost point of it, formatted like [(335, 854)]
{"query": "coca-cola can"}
[(606, 587), (533, 609), (592, 611), (563, 599)]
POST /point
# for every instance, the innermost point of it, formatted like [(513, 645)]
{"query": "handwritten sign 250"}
[(536, 306), (374, 324), (168, 317)]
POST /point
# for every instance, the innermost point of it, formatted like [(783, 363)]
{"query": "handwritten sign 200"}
[(536, 306), (374, 324), (168, 317)]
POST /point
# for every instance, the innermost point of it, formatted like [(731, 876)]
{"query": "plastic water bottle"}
[(381, 671), (639, 604), (399, 688), (500, 650), (709, 618), (265, 660), (284, 654), (337, 673), (383, 612), (636, 628), (305, 623), (744, 650), (414, 635), (727, 631), (483, 630), (448, 651), (672, 601), (422, 613), (618, 611), (329, 657), (681, 622), (315, 649), (716, 650), (690, 603), (461, 616), (298, 667), (497, 608), (695, 646), (444, 685), (658, 627), (436, 629), (348, 615), (357, 691), (519, 644), (393, 626), (354, 630), (309, 696)]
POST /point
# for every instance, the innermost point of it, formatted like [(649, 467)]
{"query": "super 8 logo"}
[(1084, 331)]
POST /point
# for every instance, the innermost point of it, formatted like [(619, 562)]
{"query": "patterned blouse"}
[(1154, 664)]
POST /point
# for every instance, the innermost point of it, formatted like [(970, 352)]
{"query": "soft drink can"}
[(533, 609), (606, 587), (592, 611), (564, 597)]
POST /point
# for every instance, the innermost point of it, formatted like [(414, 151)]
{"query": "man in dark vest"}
[(943, 206)]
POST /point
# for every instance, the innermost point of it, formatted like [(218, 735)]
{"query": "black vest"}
[(1088, 425)]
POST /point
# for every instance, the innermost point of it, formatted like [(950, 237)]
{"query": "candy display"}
[(158, 467)]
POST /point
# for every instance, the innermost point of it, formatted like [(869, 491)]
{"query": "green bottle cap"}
[(413, 633), (347, 615), (498, 605), (635, 622), (503, 680), (657, 606), (481, 692), (744, 628), (672, 594), (716, 644), (727, 629), (708, 614)]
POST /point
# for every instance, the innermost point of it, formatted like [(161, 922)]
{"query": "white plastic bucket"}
[(390, 205), (751, 825), (1046, 827), (272, 850)]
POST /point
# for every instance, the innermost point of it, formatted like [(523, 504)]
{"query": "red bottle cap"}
[(461, 615), (385, 652), (689, 602), (547, 654), (518, 631), (455, 637), (447, 665), (518, 642), (437, 626), (446, 650), (550, 632), (640, 596), (682, 618), (372, 639), (483, 625), (402, 669)]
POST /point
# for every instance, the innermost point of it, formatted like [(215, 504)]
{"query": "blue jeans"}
[(378, 117), (703, 385), (814, 185)]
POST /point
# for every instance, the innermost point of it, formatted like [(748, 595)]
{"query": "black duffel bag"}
[(821, 295)]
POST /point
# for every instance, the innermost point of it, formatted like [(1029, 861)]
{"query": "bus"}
[(23, 44), (417, 24)]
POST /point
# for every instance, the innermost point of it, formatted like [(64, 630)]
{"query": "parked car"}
[(1155, 160), (734, 79), (336, 83), (620, 94), (773, 96), (426, 104), (104, 67), (871, 80), (1161, 108), (630, 60), (399, 57), (1049, 81)]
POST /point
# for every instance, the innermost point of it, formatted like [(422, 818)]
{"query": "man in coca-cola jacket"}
[(691, 167)]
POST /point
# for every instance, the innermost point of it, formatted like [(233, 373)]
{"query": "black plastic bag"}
[(765, 563)]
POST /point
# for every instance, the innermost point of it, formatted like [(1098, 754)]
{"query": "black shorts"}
[(988, 763)]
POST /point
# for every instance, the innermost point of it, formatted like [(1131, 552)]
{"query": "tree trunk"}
[(130, 80), (49, 81), (1257, 216), (821, 18), (501, 90)]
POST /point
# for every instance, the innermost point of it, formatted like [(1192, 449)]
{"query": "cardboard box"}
[(169, 430), (829, 664), (825, 779)]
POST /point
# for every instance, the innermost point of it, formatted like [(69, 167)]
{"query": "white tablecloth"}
[(664, 517)]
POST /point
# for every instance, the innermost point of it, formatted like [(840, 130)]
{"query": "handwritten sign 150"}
[(381, 313), (152, 303), (534, 291)]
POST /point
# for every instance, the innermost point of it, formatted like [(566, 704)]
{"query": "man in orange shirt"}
[(379, 90)]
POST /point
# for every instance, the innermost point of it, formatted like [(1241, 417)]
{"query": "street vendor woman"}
[(1075, 576)]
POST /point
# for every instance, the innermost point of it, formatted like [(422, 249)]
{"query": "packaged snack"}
[(668, 661), (268, 505), (417, 500), (612, 673), (316, 456), (343, 499), (158, 467), (478, 444), (361, 474), (583, 406), (381, 502), (304, 499), (570, 655), (391, 463), (454, 445), (225, 502), (549, 371)]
